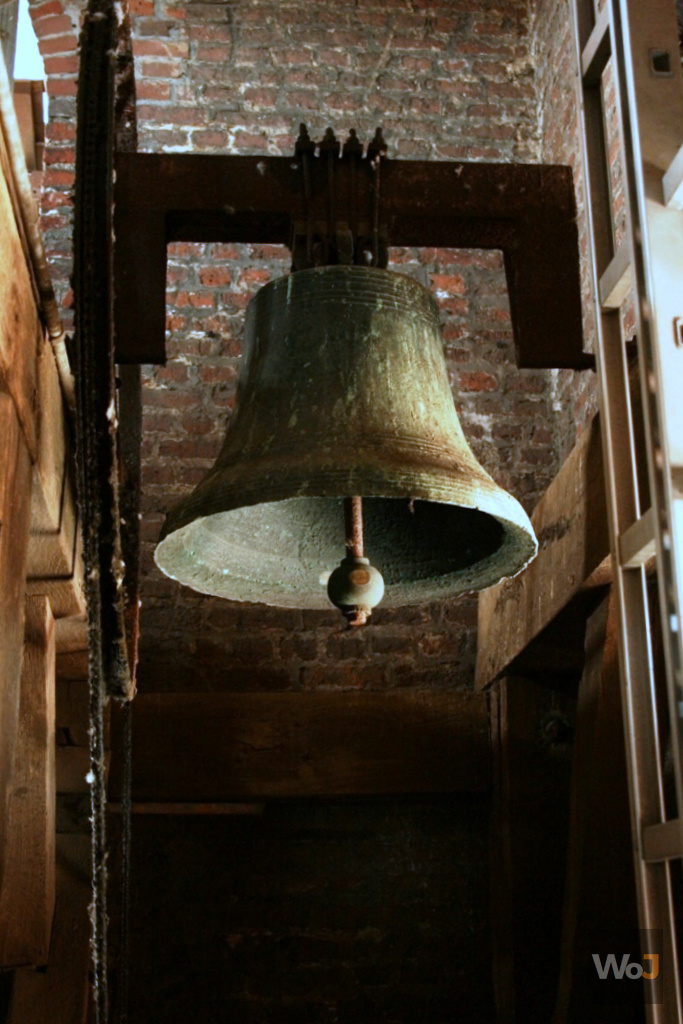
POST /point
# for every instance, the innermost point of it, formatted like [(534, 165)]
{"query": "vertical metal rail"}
[(641, 41)]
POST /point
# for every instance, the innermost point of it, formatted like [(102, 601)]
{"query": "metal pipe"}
[(28, 211)]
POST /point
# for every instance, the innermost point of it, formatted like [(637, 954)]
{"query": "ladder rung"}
[(597, 50), (615, 283), (663, 841), (672, 182), (637, 543)]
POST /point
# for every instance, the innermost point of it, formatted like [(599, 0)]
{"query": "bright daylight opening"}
[(28, 63)]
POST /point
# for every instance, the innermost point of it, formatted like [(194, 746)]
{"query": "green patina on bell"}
[(344, 391)]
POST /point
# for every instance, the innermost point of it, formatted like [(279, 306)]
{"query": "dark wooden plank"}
[(73, 765), (531, 736), (570, 522), (190, 809), (190, 182), (59, 994), (524, 210), (15, 498), (27, 893), (140, 284), (221, 747), (600, 894)]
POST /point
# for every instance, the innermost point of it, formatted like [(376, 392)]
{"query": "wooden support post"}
[(531, 736), (20, 330), (600, 893), (15, 500), (226, 747), (570, 522), (59, 995), (27, 890), (54, 560)]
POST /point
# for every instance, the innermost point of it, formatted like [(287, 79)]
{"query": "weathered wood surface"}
[(59, 994), (55, 565), (600, 897), (51, 467), (72, 638), (15, 495), (531, 758), (20, 329), (570, 522), (29, 376), (209, 747), (27, 893)]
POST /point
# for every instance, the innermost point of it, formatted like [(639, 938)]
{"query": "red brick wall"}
[(573, 395), (56, 24)]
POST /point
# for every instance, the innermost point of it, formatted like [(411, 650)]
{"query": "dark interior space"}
[(301, 289), (314, 911)]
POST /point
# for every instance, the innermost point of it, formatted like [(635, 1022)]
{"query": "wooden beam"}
[(15, 497), (531, 738), (524, 210), (214, 810), (20, 329), (600, 894), (55, 565), (570, 522), (222, 747), (27, 893), (72, 637), (59, 994)]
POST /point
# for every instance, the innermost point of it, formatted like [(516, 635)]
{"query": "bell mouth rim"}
[(518, 547), (464, 483)]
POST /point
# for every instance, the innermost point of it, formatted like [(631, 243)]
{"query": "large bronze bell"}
[(344, 392)]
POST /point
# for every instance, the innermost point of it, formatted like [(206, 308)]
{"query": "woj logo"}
[(632, 975), (626, 968)]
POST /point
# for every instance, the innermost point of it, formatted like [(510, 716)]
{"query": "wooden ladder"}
[(633, 45)]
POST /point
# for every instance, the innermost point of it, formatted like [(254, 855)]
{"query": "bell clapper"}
[(355, 586)]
